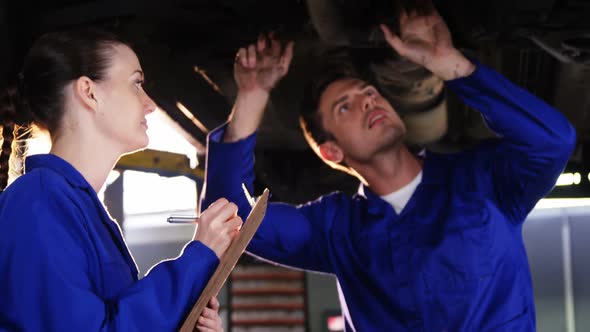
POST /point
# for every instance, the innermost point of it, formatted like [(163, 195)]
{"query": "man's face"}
[(362, 122)]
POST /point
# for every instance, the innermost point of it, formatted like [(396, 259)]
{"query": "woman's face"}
[(123, 104)]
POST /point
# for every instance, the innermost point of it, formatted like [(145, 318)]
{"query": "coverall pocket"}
[(458, 267), (463, 249)]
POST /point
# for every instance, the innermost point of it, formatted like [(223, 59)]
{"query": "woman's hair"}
[(37, 97)]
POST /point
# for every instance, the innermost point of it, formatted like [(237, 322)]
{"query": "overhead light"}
[(191, 117), (165, 134), (568, 179), (552, 203), (207, 79), (577, 178)]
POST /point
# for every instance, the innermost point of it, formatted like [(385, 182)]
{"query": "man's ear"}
[(85, 90), (331, 151)]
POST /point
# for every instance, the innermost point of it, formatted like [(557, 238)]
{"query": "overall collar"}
[(59, 165), (433, 173)]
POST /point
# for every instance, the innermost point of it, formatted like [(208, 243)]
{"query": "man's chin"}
[(394, 141)]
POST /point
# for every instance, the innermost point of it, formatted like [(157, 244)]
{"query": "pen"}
[(183, 219)]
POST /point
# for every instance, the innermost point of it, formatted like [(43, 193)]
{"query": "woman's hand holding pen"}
[(218, 226)]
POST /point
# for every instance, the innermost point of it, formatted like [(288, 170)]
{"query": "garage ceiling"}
[(187, 50)]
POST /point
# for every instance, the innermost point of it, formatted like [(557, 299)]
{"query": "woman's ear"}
[(84, 91), (331, 151)]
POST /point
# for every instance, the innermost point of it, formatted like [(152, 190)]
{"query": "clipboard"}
[(228, 261)]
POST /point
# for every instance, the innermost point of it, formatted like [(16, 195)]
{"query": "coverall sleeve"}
[(291, 235), (536, 140)]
